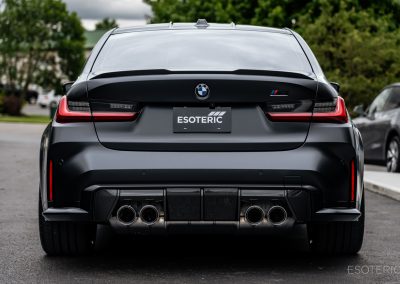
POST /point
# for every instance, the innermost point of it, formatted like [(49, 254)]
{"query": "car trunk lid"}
[(159, 97)]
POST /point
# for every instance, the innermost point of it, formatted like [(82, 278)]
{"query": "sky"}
[(126, 12)]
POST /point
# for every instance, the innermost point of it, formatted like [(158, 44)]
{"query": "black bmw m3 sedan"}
[(197, 128)]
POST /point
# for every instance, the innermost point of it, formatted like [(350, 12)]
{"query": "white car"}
[(46, 97)]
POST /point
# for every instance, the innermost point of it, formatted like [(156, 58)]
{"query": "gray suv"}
[(379, 125)]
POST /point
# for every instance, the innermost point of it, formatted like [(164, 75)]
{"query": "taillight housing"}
[(79, 111), (334, 111)]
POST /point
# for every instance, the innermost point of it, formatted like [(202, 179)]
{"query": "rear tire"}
[(392, 155), (337, 237), (65, 238)]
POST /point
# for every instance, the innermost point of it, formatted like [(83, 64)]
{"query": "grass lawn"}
[(25, 119)]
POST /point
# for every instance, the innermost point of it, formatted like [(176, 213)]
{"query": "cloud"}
[(131, 10)]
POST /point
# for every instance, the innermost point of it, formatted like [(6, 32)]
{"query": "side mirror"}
[(67, 86), (336, 86), (359, 109)]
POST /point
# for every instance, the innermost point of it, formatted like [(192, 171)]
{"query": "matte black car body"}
[(380, 128), (140, 176)]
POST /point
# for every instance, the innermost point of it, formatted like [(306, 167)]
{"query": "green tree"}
[(106, 24), (261, 12), (188, 10), (277, 13), (41, 43), (354, 47)]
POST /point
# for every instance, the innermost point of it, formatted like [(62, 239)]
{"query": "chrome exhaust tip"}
[(149, 214), (254, 215), (126, 215), (277, 215)]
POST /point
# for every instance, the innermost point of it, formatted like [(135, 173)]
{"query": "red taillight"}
[(339, 115), (64, 114), (288, 116), (114, 116), (50, 180), (352, 181)]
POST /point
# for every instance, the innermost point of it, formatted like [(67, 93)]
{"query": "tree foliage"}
[(106, 24), (355, 48), (356, 41), (41, 43)]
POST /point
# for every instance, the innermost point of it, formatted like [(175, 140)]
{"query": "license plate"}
[(202, 120)]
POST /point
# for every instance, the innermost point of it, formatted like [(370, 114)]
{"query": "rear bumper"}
[(327, 170), (177, 203), (313, 179), (336, 214), (80, 215), (67, 215)]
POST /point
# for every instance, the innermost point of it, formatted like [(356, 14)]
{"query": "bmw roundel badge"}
[(202, 91)]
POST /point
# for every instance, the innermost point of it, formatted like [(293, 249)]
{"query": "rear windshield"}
[(201, 50)]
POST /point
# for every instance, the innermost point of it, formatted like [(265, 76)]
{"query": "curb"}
[(378, 183)]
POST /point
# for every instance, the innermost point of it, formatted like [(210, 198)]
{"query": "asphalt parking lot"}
[(178, 260)]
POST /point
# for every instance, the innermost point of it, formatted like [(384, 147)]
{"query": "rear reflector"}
[(80, 112), (50, 180), (353, 181), (321, 113)]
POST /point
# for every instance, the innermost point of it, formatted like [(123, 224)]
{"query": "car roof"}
[(201, 24), (393, 85)]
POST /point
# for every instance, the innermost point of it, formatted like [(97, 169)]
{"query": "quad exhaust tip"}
[(277, 215), (149, 214), (254, 215), (126, 215)]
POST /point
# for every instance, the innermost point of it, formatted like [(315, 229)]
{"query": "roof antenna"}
[(233, 25), (171, 24), (201, 24)]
